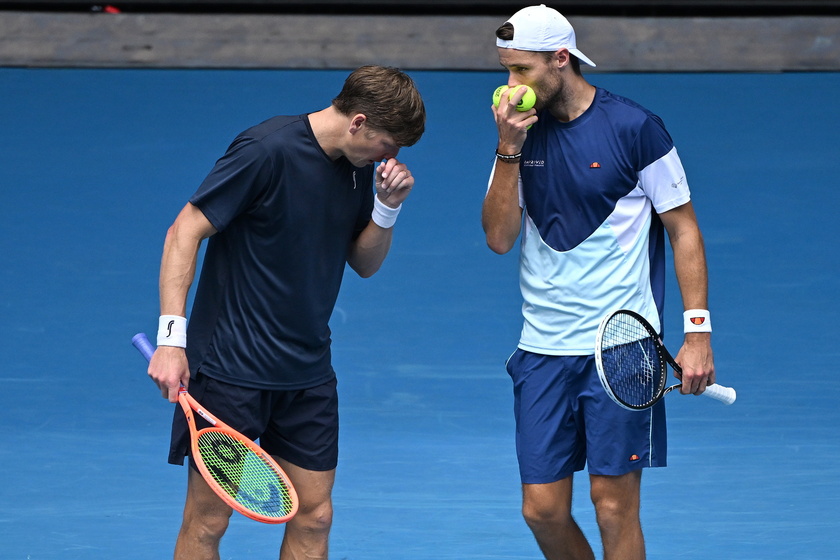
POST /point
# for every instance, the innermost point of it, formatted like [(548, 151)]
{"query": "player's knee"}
[(614, 512), (540, 514), (317, 519), (607, 509), (616, 499)]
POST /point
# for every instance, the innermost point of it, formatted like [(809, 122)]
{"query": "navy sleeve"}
[(235, 183), (652, 142)]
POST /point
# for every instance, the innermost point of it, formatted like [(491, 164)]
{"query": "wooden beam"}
[(46, 39)]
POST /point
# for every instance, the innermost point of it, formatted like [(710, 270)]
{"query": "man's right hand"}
[(169, 369)]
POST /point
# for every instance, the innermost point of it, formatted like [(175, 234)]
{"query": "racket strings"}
[(632, 362), (244, 475)]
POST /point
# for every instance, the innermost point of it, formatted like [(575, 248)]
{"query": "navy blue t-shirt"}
[(286, 215)]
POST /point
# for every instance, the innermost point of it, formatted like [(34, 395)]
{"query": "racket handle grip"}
[(726, 395), (142, 343)]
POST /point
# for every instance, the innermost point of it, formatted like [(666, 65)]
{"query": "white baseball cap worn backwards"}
[(542, 29)]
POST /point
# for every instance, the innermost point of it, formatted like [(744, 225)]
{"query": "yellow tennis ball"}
[(528, 99), (497, 95)]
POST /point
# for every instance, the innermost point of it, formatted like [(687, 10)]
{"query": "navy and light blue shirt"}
[(592, 241), (286, 215)]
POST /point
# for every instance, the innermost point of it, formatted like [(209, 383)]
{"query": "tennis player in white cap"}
[(592, 181)]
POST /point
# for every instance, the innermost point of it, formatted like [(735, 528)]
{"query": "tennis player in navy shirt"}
[(292, 201), (591, 181)]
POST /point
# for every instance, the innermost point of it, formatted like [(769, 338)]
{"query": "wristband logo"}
[(697, 320), (169, 328)]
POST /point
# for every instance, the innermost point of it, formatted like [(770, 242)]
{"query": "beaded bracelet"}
[(507, 158)]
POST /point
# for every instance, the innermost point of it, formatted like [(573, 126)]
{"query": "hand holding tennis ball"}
[(528, 99)]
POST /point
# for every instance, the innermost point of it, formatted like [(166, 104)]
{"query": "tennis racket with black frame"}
[(633, 362), (236, 468)]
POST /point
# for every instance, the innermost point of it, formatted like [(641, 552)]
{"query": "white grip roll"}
[(726, 395)]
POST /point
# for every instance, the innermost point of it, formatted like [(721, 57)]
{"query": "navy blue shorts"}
[(565, 421), (298, 426)]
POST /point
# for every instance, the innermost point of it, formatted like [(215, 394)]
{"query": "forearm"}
[(393, 183), (169, 368), (180, 257), (177, 271), (368, 251), (695, 356), (501, 216), (691, 269), (689, 255), (692, 277)]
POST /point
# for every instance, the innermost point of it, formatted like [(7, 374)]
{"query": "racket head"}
[(239, 471), (631, 362), (243, 475)]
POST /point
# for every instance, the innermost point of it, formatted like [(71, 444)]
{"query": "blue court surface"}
[(95, 164)]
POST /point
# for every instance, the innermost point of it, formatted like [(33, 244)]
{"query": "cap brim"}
[(583, 58)]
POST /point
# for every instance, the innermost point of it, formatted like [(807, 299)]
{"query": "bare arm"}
[(501, 216), (393, 185), (695, 356), (369, 250), (168, 367)]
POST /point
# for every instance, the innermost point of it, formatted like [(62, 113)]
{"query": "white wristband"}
[(384, 216), (697, 320), (172, 331)]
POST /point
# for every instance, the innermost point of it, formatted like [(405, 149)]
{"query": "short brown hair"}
[(505, 32), (388, 98)]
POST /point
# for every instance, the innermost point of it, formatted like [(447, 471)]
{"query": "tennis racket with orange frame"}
[(236, 468)]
